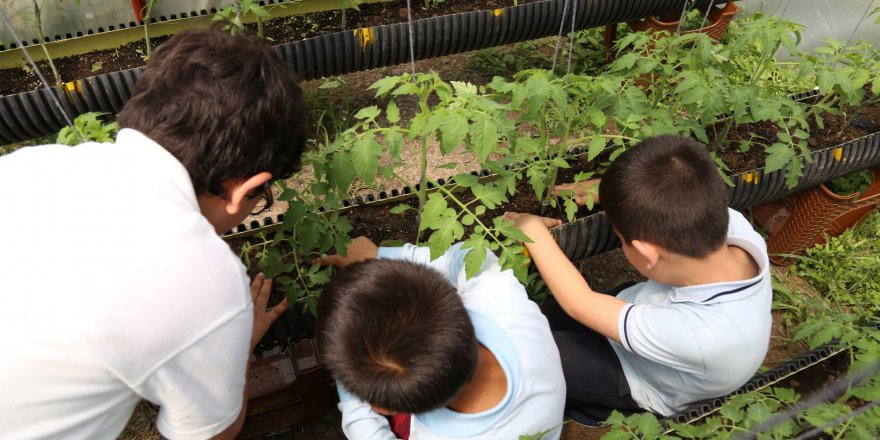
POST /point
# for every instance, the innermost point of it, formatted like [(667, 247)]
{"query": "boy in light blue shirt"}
[(699, 327), (468, 358)]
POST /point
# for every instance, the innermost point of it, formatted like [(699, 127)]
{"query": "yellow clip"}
[(498, 12), (838, 153), (747, 177), (69, 88), (756, 177), (364, 36)]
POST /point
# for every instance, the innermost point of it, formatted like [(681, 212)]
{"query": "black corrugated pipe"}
[(29, 115), (592, 235)]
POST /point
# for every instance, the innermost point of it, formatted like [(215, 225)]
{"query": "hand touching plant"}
[(263, 317), (360, 249), (583, 193)]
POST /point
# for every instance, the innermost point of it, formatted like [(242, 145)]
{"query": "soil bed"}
[(277, 31)]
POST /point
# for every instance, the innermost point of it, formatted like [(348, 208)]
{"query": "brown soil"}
[(278, 31), (855, 123)]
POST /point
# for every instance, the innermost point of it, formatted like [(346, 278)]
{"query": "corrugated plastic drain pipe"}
[(30, 114)]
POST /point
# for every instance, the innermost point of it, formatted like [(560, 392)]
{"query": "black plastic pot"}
[(787, 369), (592, 235), (23, 116)]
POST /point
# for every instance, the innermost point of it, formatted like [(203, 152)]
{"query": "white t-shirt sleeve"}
[(200, 390)]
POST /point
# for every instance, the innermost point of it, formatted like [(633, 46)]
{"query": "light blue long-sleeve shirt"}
[(508, 324)]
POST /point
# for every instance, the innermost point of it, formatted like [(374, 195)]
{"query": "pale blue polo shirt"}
[(684, 344)]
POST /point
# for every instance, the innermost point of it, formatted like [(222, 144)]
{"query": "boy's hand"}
[(523, 220), (580, 191), (360, 249), (260, 290)]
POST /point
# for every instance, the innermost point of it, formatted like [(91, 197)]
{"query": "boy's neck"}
[(486, 389), (729, 263)]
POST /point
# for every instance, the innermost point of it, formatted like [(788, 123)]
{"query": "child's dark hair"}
[(666, 190), (225, 106), (396, 335)]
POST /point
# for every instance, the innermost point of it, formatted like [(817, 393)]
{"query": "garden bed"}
[(277, 31)]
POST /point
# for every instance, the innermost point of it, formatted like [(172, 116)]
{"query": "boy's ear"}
[(238, 191), (649, 251)]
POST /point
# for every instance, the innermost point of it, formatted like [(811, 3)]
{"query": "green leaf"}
[(394, 144), (597, 145), (384, 85), (778, 155), (597, 117), (571, 207), (453, 130), (490, 194), (466, 180), (399, 209), (438, 216), (560, 162), (484, 136), (509, 230), (341, 172), (367, 113), (392, 112), (365, 157), (476, 254)]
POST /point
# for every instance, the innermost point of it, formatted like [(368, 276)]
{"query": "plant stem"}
[(464, 207), (146, 17), (38, 14), (299, 277)]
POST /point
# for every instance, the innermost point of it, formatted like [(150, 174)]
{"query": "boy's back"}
[(700, 327), (682, 344)]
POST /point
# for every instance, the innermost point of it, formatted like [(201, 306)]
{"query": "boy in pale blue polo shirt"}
[(699, 327)]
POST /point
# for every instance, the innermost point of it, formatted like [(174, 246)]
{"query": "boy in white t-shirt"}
[(115, 284), (699, 327)]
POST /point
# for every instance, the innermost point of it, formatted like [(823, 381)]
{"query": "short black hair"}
[(224, 105), (667, 190), (396, 335)]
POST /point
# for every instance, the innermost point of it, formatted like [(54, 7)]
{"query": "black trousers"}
[(594, 379)]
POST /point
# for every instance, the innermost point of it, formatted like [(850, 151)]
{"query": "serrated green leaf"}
[(365, 157), (560, 162), (597, 145), (394, 144), (384, 85), (778, 155), (453, 130), (392, 112), (466, 180), (491, 194), (367, 113), (484, 136), (475, 256)]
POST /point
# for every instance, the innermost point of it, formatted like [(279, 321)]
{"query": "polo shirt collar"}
[(448, 423), (158, 160), (728, 290)]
